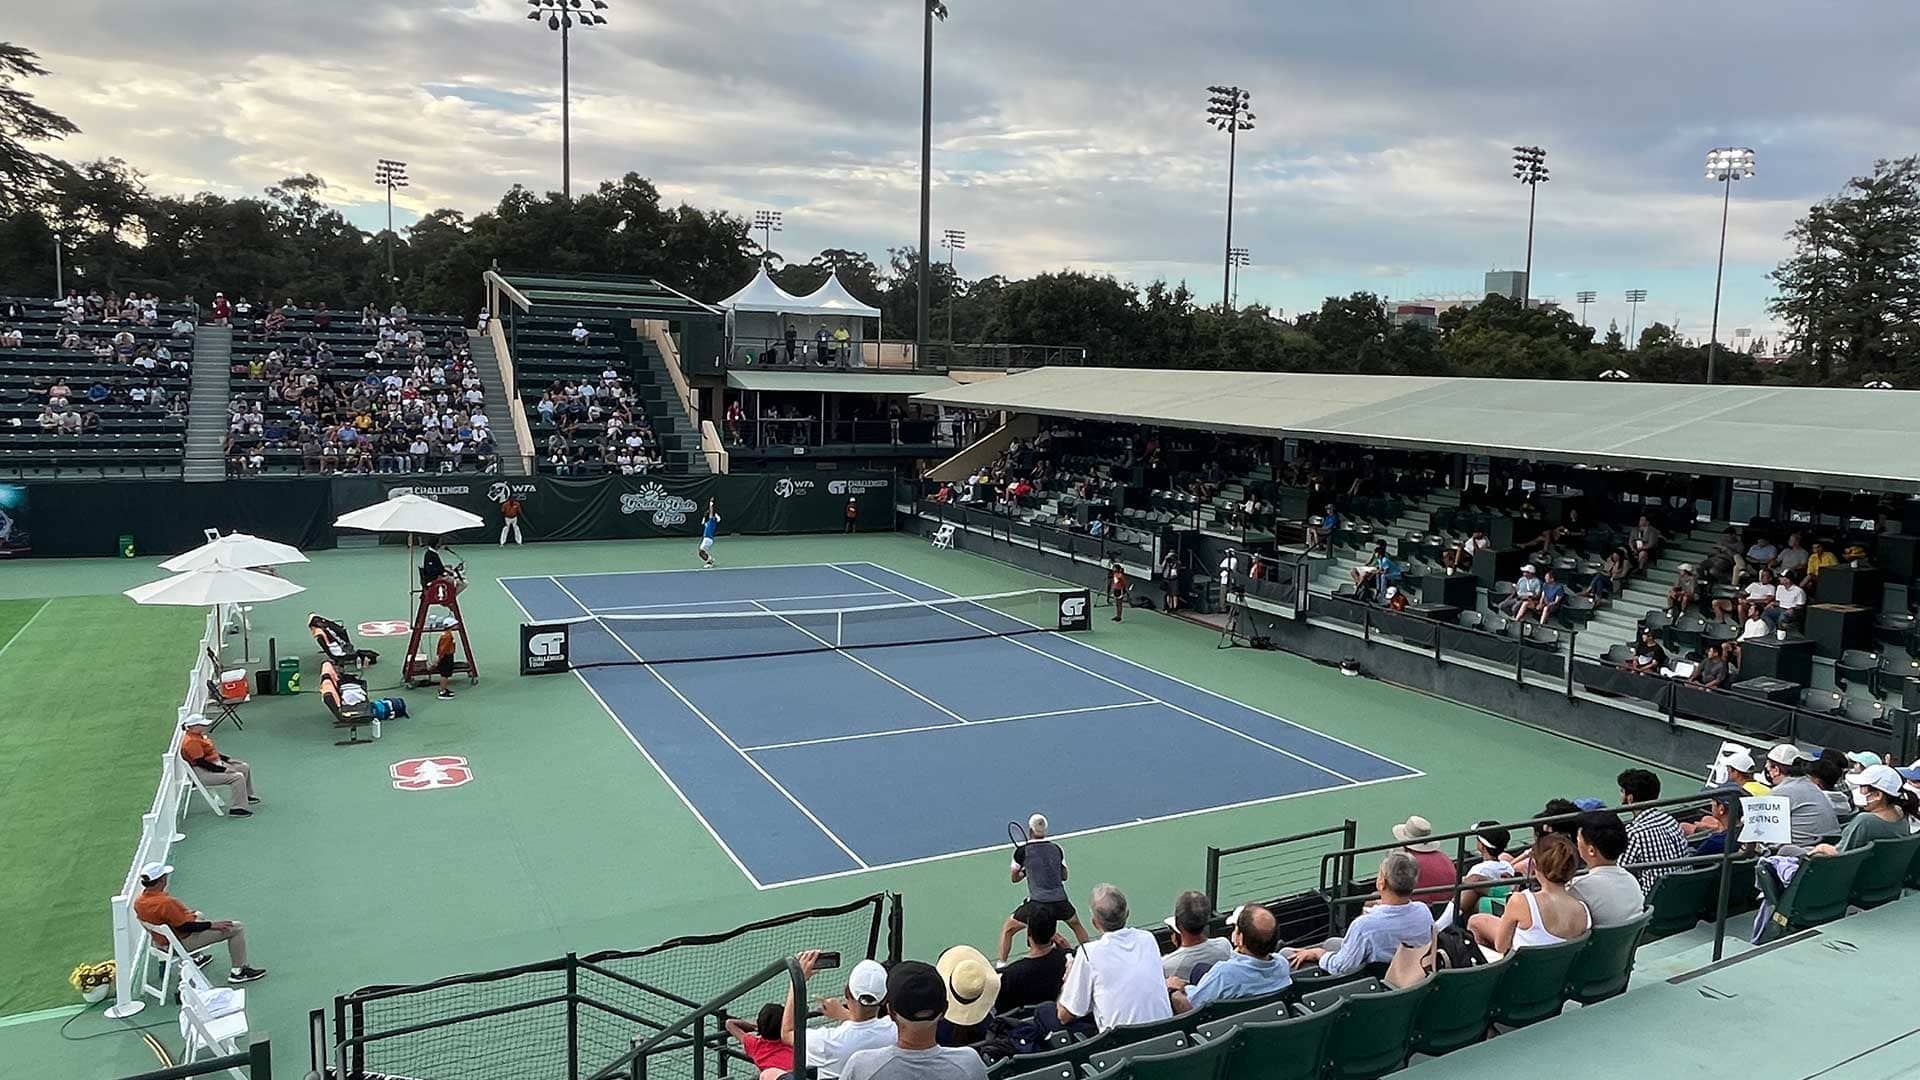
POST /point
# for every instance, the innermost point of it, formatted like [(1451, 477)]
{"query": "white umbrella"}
[(216, 585), (235, 550), (409, 514)]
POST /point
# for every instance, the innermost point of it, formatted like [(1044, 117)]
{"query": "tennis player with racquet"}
[(1040, 863)]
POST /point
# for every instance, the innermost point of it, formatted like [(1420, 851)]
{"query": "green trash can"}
[(287, 679), (126, 546)]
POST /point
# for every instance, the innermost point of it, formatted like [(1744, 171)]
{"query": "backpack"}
[(1455, 948)]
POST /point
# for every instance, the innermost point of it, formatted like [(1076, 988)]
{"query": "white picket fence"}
[(159, 831)]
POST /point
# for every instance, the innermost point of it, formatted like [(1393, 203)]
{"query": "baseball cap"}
[(1590, 803), (1527, 569), (1739, 759), (1911, 773), (154, 871), (867, 982), (915, 992), (1393, 591), (1876, 776), (1786, 754), (1864, 758), (195, 720), (1686, 567)]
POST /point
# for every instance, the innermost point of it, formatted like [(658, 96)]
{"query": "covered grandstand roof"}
[(615, 293), (836, 382), (1865, 438)]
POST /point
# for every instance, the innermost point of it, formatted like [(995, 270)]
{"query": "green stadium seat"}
[(1074, 1054), (1165, 1043), (1818, 893), (1885, 872), (1536, 986), (1678, 900), (1375, 1035), (1459, 1010), (1197, 1061), (1057, 1071), (1602, 970), (1290, 1049)]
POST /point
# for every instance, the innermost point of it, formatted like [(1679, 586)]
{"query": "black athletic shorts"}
[(1061, 910)]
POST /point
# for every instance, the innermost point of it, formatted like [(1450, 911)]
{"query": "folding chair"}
[(226, 690), (190, 782), (943, 537), (173, 959), (205, 1032)]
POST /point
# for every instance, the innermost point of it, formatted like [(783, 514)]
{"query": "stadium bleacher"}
[(591, 410), (93, 388), (322, 390)]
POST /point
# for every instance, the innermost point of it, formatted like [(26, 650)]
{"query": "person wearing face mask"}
[(1887, 811)]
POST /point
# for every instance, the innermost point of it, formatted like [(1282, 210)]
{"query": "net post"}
[(896, 930), (1213, 878), (573, 1016)]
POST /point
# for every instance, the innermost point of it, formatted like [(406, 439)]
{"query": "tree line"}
[(1849, 293)]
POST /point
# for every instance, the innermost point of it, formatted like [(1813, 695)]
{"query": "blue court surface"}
[(792, 760)]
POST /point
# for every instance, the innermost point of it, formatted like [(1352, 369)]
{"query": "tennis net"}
[(771, 630)]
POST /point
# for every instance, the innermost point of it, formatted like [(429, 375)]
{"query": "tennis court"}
[(821, 746)]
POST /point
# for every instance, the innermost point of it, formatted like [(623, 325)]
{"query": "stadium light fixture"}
[(1725, 164), (953, 240), (390, 174), (1635, 297), (1227, 110), (768, 222), (564, 16), (1530, 168), (1237, 258), (936, 10), (1583, 298)]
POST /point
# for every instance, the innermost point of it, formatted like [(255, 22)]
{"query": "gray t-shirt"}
[(1178, 964), (1046, 867), (1612, 895), (1812, 814), (936, 1063)]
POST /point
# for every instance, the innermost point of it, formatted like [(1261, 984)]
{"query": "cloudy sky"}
[(1068, 133)]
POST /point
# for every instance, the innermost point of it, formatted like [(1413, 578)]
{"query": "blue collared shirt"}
[(1240, 976)]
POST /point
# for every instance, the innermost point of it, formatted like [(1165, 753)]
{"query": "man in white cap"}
[(579, 333), (1525, 591), (215, 769), (156, 907), (858, 1018), (1813, 816)]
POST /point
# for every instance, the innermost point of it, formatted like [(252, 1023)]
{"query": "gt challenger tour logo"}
[(666, 509)]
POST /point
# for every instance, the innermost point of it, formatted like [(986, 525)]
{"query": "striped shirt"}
[(1653, 836)]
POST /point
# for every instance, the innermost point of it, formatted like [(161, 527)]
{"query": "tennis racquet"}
[(1018, 834)]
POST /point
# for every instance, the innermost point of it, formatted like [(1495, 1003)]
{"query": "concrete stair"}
[(207, 404), (493, 383), (679, 439)]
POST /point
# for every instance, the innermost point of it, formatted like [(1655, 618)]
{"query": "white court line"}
[(635, 740), (943, 727), (936, 705), (1002, 846), (1131, 689), (678, 570), (1296, 725), (704, 603), (31, 619), (724, 737)]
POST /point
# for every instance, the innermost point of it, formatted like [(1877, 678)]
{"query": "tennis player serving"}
[(709, 528), (1040, 863)]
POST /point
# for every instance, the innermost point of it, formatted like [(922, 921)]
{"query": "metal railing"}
[(811, 353), (1076, 544), (1549, 658), (768, 432), (1336, 876), (689, 1030), (1269, 854)]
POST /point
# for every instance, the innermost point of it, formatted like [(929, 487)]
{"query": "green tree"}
[(24, 173), (1850, 292)]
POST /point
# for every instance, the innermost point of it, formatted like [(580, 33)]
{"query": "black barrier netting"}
[(567, 1018)]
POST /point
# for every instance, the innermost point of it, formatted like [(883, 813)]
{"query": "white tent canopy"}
[(759, 315)]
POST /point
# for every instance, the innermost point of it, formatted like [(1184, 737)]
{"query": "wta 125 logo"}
[(667, 510), (786, 487)]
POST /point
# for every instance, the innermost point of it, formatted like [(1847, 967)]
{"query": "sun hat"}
[(971, 984), (1413, 832)]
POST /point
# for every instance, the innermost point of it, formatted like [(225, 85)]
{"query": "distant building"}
[(1511, 284), (1426, 315)]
